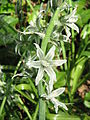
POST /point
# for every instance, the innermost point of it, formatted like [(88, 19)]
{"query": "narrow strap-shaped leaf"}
[(49, 30)]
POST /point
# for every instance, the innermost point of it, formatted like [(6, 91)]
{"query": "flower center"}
[(44, 63)]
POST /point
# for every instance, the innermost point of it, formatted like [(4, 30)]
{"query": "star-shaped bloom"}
[(66, 23), (45, 63), (71, 19), (51, 96)]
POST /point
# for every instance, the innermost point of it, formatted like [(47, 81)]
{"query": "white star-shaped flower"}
[(51, 96), (45, 63), (71, 19)]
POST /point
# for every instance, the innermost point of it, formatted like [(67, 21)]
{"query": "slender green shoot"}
[(73, 45), (24, 108), (2, 105), (36, 112), (64, 54), (29, 2)]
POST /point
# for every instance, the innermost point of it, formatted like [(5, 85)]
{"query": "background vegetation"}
[(18, 94)]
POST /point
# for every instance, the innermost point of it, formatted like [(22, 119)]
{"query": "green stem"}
[(49, 30), (29, 2), (41, 102), (64, 53), (24, 107), (73, 45), (2, 105), (44, 46), (36, 112)]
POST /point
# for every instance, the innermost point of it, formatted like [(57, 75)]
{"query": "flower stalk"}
[(44, 46)]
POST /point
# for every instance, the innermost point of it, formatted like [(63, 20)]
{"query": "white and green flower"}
[(71, 19), (51, 96), (45, 64)]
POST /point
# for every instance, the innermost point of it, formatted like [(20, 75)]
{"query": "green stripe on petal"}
[(50, 73), (50, 86), (40, 53), (50, 53)]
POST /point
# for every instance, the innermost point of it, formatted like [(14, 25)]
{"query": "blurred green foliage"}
[(19, 95)]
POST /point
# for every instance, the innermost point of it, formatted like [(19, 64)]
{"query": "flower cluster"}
[(67, 22), (45, 64)]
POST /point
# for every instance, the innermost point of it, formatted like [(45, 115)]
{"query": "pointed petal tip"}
[(36, 83), (36, 45)]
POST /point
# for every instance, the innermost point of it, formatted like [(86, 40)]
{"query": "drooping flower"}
[(71, 19), (67, 22), (51, 96), (45, 63)]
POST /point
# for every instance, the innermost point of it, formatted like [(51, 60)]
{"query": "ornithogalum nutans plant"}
[(41, 76)]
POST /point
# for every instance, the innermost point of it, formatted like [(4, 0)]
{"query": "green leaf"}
[(25, 95), (87, 103), (12, 20), (87, 100), (24, 87), (86, 53), (62, 116), (24, 107), (87, 96), (83, 17), (61, 80)]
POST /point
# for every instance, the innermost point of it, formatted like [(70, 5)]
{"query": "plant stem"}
[(29, 2), (43, 47), (49, 30), (41, 102), (64, 53), (24, 107), (36, 112), (2, 105), (73, 45)]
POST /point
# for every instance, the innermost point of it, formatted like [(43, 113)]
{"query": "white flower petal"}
[(72, 14), (56, 92), (39, 75), (60, 104), (58, 62), (73, 26), (44, 95), (63, 105), (51, 53), (40, 53), (35, 64), (72, 19), (65, 38), (54, 101), (67, 31), (50, 86), (50, 73), (57, 103)]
